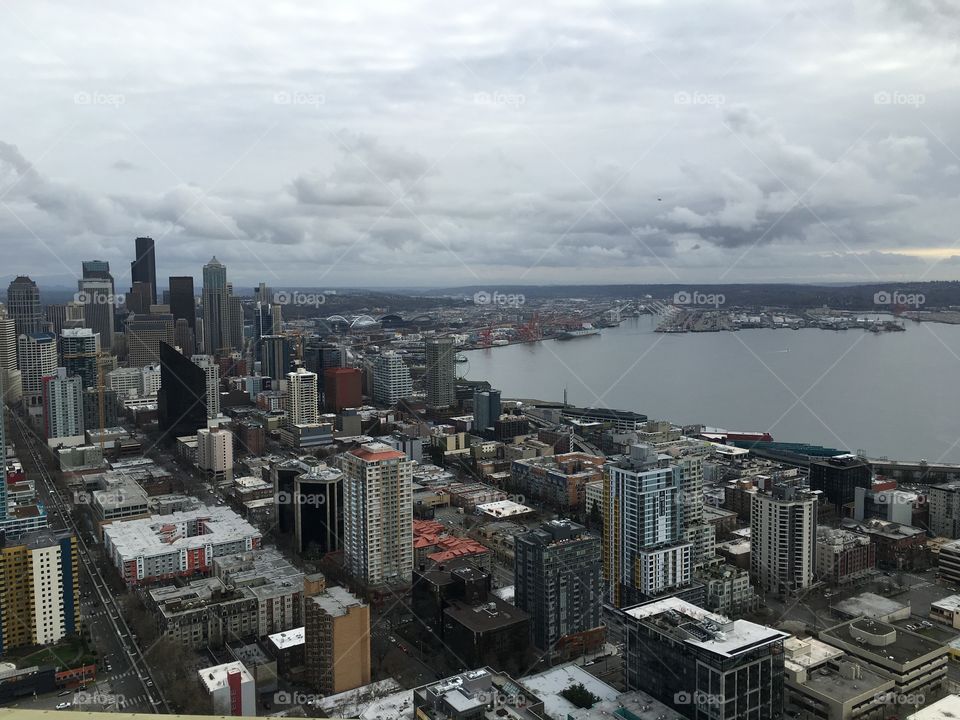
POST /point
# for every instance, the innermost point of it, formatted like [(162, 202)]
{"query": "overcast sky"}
[(438, 143)]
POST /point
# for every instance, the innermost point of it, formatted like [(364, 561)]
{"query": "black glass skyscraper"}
[(183, 304), (143, 269), (182, 400)]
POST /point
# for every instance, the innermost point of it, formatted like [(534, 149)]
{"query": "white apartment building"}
[(783, 532), (212, 372), (215, 452), (37, 355), (391, 379), (63, 408), (301, 405)]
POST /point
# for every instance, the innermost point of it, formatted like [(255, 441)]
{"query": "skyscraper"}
[(216, 309), (211, 372), (62, 405), (440, 376), (644, 553), (486, 409), (182, 400), (783, 534), (342, 388), (38, 357), (557, 580), (23, 305), (78, 350), (391, 379), (9, 375), (65, 315), (378, 514), (97, 297), (235, 305), (276, 355), (183, 337), (183, 303), (143, 269), (302, 408), (145, 334)]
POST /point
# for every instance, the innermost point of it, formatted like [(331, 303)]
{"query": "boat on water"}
[(584, 331)]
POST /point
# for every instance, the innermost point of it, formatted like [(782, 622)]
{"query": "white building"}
[(944, 503), (215, 452), (63, 408), (231, 688), (37, 355), (302, 407), (783, 531), (391, 379), (212, 372), (378, 514)]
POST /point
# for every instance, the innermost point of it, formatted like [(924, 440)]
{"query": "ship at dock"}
[(583, 331)]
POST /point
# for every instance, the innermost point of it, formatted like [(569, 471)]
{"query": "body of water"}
[(889, 394)]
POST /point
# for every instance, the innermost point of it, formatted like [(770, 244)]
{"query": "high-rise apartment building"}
[(98, 300), (216, 309), (9, 375), (644, 553), (39, 589), (689, 455), (78, 350), (23, 305), (143, 269), (557, 580), (37, 354), (378, 514), (336, 640), (391, 379), (215, 452), (302, 407), (63, 406), (783, 533), (145, 334), (342, 388), (440, 375), (211, 373)]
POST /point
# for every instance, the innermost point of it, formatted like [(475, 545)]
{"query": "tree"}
[(579, 696)]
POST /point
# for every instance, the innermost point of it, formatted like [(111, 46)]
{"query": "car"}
[(61, 694), (149, 683), (63, 706)]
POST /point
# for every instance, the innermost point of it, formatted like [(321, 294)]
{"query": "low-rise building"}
[(946, 610), (844, 556), (558, 480), (337, 649), (482, 694), (898, 546), (728, 589), (203, 613), (949, 562), (231, 688)]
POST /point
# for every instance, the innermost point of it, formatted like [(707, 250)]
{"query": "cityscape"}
[(411, 361)]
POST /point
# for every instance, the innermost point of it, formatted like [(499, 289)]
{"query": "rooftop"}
[(162, 534), (869, 605), (377, 452), (336, 601), (503, 509), (880, 642), (288, 638), (946, 709), (215, 677)]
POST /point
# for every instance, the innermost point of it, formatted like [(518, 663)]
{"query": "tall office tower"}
[(336, 639), (143, 269), (3, 485), (702, 664), (262, 318), (145, 334), (62, 405), (302, 408), (91, 408), (23, 305), (140, 298), (783, 533), (183, 303), (37, 354), (97, 297), (183, 337), (440, 375), (97, 270), (211, 375), (644, 553), (342, 388), (235, 305), (216, 309), (78, 350), (182, 399), (39, 589), (276, 317), (9, 375), (557, 580), (839, 477), (317, 505), (64, 315), (378, 514), (391, 379), (276, 356), (486, 409)]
